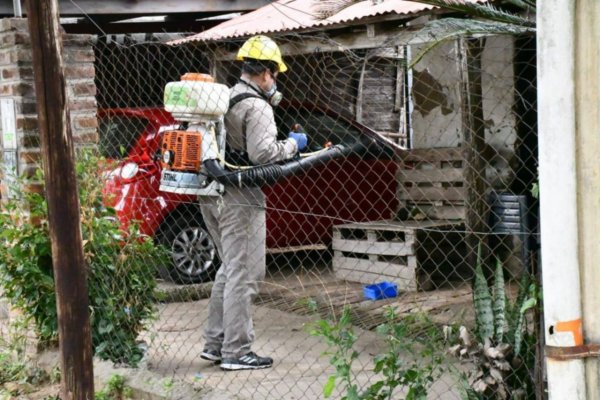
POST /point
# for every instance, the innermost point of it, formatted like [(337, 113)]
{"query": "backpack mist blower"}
[(193, 157), (198, 103)]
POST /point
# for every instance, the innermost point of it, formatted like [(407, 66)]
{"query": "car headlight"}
[(129, 170)]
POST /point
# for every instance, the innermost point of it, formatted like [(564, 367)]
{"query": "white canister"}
[(191, 100)]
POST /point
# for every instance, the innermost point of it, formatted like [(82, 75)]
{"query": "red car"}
[(300, 210)]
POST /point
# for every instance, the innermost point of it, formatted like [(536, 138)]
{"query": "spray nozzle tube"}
[(268, 174)]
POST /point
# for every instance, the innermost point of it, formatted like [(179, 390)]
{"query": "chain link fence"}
[(446, 173), (429, 206)]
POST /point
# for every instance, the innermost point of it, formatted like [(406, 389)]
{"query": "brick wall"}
[(16, 82)]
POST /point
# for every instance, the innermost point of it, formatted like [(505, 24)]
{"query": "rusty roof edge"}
[(380, 17), (384, 16)]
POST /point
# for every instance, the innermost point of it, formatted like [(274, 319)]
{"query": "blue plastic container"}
[(381, 290)]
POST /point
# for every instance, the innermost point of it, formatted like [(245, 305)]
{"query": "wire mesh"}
[(430, 190), (444, 172)]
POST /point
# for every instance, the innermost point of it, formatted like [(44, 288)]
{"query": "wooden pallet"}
[(432, 180), (396, 251)]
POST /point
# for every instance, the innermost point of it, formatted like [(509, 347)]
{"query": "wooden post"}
[(359, 94), (473, 146), (586, 65), (63, 203)]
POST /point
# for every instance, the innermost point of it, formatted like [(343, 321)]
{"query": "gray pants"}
[(236, 223)]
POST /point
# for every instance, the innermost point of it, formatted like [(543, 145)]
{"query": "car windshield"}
[(118, 134), (320, 127)]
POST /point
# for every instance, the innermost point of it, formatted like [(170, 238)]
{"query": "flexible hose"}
[(244, 167), (269, 174)]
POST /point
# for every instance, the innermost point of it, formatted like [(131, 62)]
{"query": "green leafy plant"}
[(413, 374), (19, 374), (120, 278), (340, 336), (168, 384), (502, 349), (11, 369), (535, 190), (55, 374), (416, 374), (115, 389)]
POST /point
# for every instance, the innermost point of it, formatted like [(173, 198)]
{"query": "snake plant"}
[(497, 349)]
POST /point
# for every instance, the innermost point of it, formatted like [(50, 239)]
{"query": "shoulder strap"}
[(242, 96), (232, 102)]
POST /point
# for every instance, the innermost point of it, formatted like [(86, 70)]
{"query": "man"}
[(236, 221)]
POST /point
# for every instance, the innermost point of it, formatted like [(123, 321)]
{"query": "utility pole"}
[(63, 202)]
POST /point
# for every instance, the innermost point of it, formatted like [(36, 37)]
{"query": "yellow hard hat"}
[(262, 48)]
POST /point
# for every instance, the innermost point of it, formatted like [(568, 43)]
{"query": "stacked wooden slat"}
[(393, 251), (431, 182), (428, 245)]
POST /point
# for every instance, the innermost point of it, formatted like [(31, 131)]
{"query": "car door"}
[(302, 209)]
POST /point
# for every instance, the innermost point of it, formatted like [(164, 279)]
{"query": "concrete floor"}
[(300, 371)]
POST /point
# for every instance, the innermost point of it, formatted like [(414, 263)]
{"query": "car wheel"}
[(193, 256)]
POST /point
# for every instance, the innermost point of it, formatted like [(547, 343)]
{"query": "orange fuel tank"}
[(182, 151)]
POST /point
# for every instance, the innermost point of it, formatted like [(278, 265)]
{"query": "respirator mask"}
[(274, 95)]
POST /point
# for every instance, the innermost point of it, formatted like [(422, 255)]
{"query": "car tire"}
[(193, 256)]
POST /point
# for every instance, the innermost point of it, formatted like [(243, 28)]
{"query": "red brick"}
[(80, 71), (5, 90), (10, 73), (31, 140), (21, 56), (86, 138), (11, 39), (26, 107), (84, 89), (12, 24), (83, 104), (24, 89), (5, 25), (86, 122), (27, 123), (74, 40), (31, 157), (18, 88), (26, 73), (5, 57), (78, 55), (19, 24)]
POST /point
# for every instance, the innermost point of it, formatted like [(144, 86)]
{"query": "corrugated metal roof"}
[(291, 15)]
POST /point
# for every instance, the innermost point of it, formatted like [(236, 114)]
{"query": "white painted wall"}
[(440, 126)]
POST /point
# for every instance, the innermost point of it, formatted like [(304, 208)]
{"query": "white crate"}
[(372, 252)]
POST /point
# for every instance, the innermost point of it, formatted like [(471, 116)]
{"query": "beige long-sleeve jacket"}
[(250, 126)]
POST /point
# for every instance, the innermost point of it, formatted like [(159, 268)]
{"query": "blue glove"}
[(300, 139)]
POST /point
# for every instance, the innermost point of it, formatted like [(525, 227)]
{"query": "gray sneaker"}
[(211, 355), (247, 361)]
